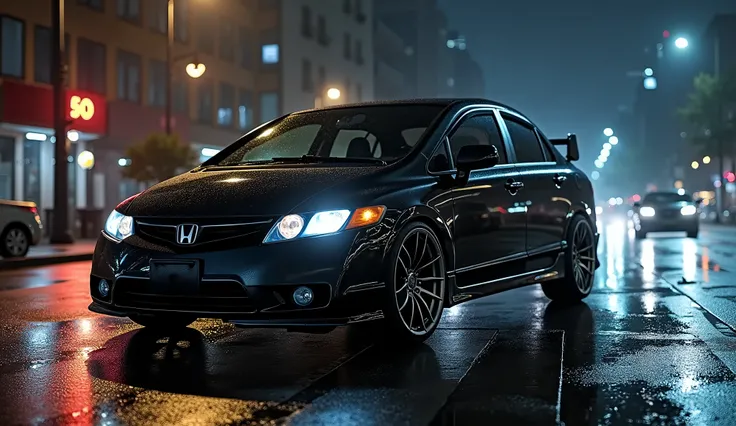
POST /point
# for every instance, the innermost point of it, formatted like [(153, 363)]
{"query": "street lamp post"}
[(194, 69), (169, 61), (60, 233)]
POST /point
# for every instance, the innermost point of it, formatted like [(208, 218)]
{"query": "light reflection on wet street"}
[(654, 344)]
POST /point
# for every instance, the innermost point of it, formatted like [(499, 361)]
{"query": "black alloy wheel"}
[(415, 284), (580, 261), (15, 242)]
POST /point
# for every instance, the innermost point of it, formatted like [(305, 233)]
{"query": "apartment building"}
[(326, 44), (116, 52)]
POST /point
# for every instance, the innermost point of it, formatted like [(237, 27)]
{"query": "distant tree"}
[(159, 157), (711, 114), (711, 117)]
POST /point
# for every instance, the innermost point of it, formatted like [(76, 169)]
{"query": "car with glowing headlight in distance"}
[(666, 212), (386, 212)]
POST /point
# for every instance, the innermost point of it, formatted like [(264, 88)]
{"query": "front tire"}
[(415, 285), (692, 234), (14, 241), (162, 321), (580, 261)]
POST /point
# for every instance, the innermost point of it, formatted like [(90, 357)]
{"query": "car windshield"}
[(367, 134), (666, 197)]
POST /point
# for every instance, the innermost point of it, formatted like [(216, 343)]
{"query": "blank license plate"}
[(175, 277)]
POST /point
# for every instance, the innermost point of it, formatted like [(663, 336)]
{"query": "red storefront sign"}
[(29, 105)]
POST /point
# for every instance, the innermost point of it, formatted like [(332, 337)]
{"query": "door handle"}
[(559, 179), (513, 186)]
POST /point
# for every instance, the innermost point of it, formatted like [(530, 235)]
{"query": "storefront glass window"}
[(7, 162), (73, 170), (32, 171)]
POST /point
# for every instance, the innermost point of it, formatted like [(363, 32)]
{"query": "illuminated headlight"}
[(322, 223), (688, 210), (118, 226), (646, 212)]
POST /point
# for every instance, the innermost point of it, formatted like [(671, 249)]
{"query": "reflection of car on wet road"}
[(20, 227), (666, 212), (388, 211)]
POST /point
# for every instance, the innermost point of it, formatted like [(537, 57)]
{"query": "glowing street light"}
[(333, 93), (607, 146), (613, 140), (608, 131), (195, 69), (648, 72), (706, 160), (599, 164), (681, 43), (694, 165)]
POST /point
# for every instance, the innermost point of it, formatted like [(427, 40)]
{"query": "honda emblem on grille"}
[(186, 233)]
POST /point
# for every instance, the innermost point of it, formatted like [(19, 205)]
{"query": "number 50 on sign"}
[(80, 107)]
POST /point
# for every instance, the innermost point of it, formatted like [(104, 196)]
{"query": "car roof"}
[(445, 102)]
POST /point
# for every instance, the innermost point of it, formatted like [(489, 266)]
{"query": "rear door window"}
[(525, 142)]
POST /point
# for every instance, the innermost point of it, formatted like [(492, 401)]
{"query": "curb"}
[(30, 262)]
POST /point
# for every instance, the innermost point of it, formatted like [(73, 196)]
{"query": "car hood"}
[(241, 192)]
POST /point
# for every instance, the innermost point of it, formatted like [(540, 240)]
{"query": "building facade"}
[(260, 62), (417, 56), (325, 44)]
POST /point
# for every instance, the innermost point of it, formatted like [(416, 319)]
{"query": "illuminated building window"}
[(270, 54)]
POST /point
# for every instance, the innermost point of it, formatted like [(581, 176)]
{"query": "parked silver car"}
[(20, 227)]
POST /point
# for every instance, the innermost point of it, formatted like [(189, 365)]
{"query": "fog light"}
[(303, 296), (103, 288)]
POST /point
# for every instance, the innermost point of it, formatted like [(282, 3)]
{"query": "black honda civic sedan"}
[(387, 211)]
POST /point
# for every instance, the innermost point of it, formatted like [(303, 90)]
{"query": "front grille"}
[(243, 231), (669, 213), (215, 295)]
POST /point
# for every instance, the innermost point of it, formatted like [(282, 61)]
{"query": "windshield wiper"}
[(319, 159)]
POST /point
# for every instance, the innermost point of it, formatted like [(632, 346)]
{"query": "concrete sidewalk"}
[(51, 254)]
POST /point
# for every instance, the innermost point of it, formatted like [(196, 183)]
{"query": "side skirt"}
[(557, 270)]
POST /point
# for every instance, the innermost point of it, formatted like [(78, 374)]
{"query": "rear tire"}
[(415, 285), (640, 235), (692, 234), (580, 261), (163, 321), (14, 241)]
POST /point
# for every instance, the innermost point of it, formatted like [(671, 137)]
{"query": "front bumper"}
[(250, 284), (673, 224)]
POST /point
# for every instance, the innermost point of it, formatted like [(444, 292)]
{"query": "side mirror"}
[(637, 205), (476, 157), (573, 153), (698, 201)]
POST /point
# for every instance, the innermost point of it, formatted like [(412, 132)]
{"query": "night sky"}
[(564, 62)]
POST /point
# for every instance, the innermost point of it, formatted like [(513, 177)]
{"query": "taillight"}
[(34, 210)]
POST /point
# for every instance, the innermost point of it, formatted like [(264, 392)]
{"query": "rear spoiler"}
[(571, 141)]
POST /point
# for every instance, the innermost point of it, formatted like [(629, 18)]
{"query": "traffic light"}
[(730, 177)]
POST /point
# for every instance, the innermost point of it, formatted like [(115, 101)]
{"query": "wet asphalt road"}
[(654, 344)]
